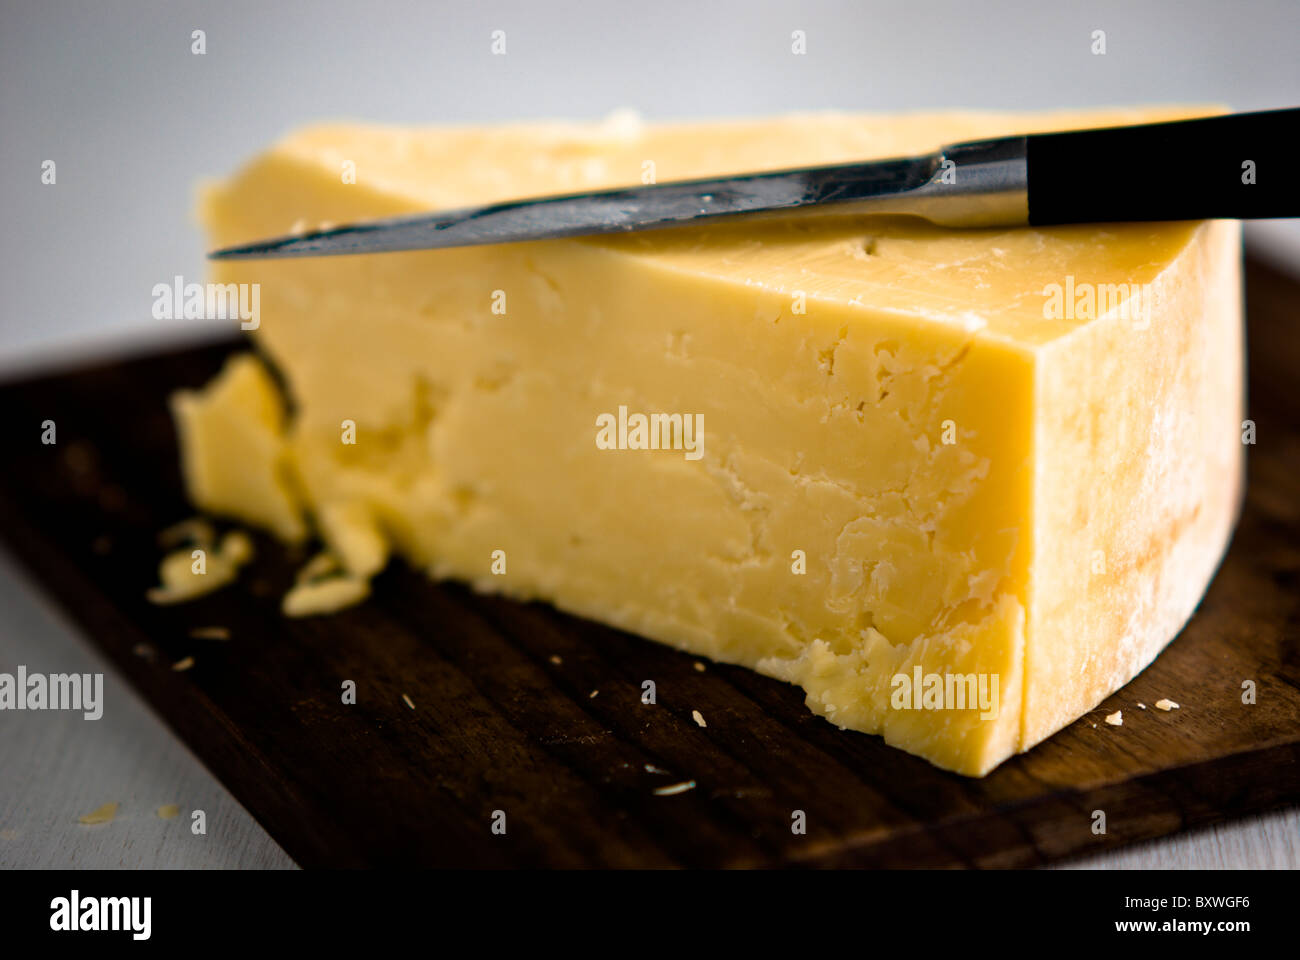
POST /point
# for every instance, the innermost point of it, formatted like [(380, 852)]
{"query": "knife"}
[(1233, 166)]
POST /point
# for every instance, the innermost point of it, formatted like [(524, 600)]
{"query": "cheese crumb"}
[(237, 547), (324, 564), (555, 659), (698, 718), (675, 788), (699, 667), (407, 700), (210, 633), (1116, 719), (181, 581), (592, 695), (352, 531), (1166, 705), (183, 664), (104, 814), (168, 811), (324, 596), (194, 530)]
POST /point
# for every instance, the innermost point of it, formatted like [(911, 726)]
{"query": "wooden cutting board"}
[(519, 709)]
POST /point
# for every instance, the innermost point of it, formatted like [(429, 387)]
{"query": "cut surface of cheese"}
[(233, 452), (958, 485)]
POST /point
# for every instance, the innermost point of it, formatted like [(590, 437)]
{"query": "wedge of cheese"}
[(959, 486)]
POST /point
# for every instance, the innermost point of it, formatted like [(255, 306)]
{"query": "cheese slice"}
[(924, 474)]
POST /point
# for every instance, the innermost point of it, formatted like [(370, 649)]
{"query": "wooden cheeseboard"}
[(523, 710)]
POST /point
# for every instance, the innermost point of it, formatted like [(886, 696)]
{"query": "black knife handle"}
[(1184, 170)]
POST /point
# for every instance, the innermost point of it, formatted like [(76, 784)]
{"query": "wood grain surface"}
[(523, 710)]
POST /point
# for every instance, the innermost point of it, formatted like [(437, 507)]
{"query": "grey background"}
[(110, 91)]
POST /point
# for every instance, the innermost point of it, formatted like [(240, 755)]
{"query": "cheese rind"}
[(1138, 489), (907, 466)]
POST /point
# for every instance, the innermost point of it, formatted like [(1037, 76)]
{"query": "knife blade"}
[(1232, 166)]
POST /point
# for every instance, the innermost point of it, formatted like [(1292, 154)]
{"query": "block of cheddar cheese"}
[(957, 485)]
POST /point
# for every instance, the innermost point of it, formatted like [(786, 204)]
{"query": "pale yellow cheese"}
[(330, 595), (233, 450), (908, 468), (202, 567), (323, 585), (103, 814)]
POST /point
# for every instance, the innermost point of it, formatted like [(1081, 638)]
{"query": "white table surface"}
[(111, 91)]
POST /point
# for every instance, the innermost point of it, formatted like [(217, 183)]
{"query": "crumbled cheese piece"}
[(237, 547), (104, 814), (324, 564), (1116, 719), (352, 531), (407, 700), (674, 788), (1142, 706), (233, 448), (324, 596), (194, 530), (555, 659), (322, 586), (1166, 705), (210, 633), (168, 811), (698, 718), (651, 768), (699, 667), (183, 664), (181, 580), (592, 695)]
